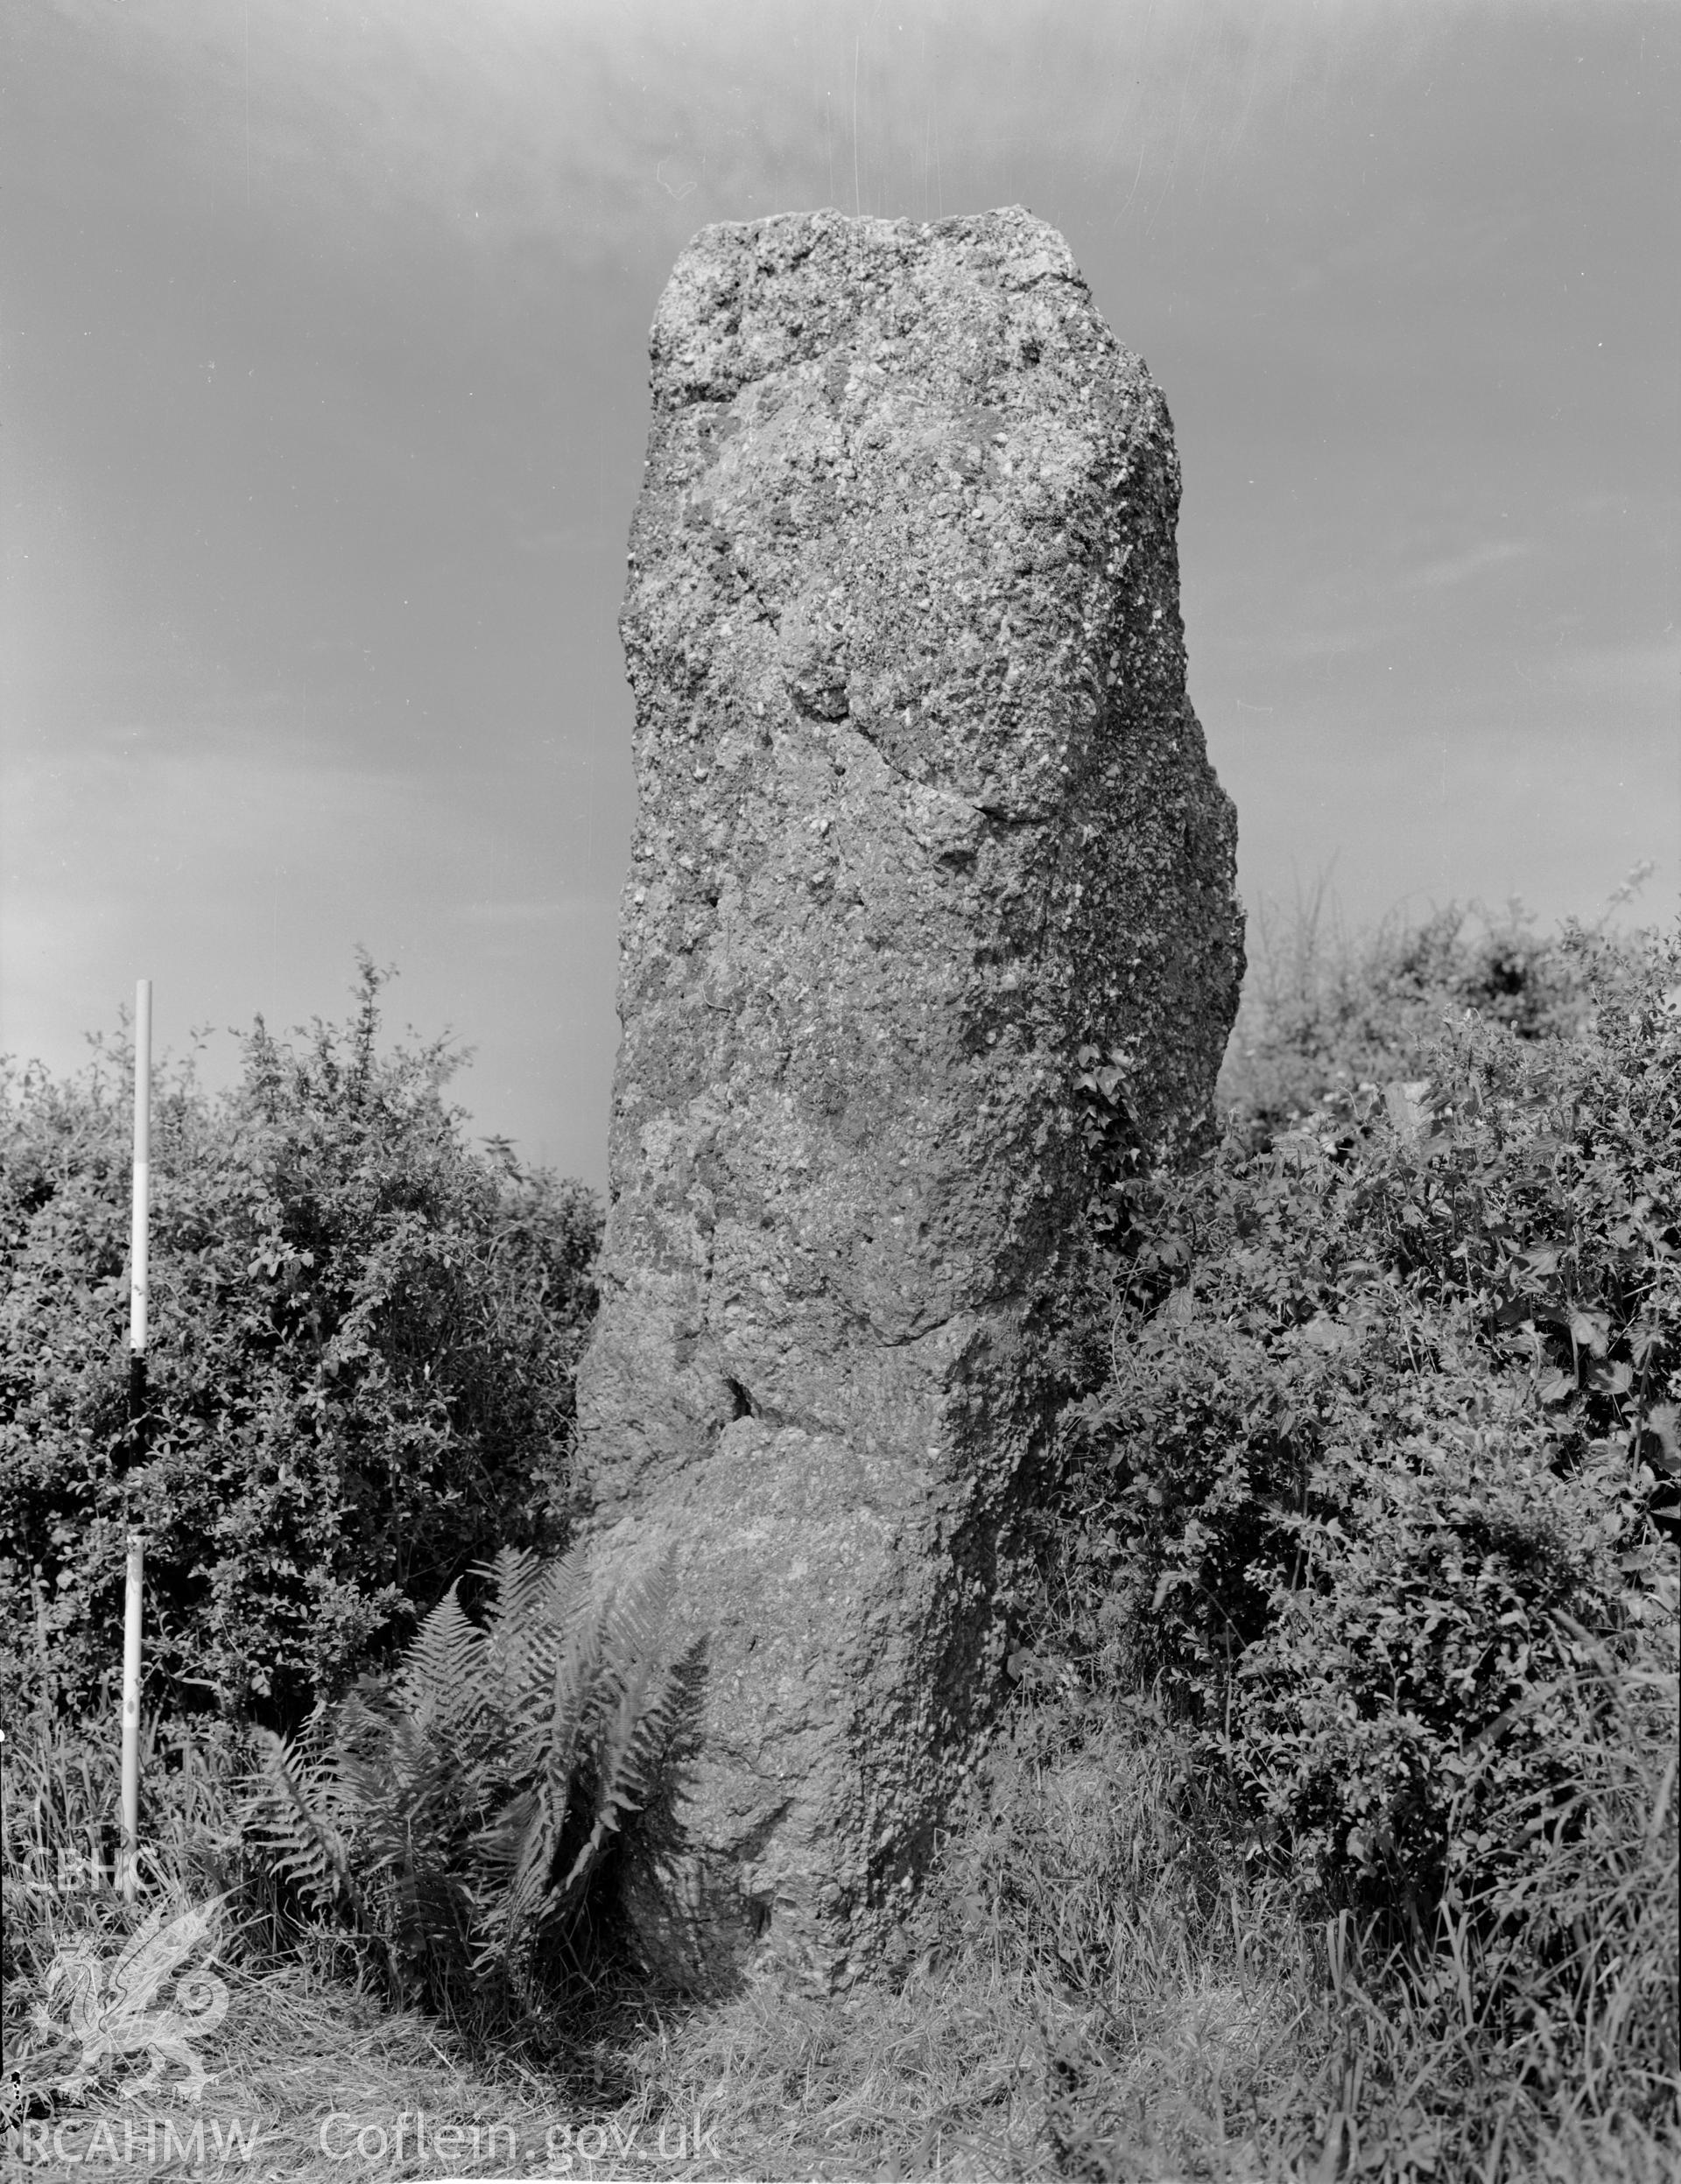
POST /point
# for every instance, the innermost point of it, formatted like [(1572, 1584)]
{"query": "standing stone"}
[(923, 810)]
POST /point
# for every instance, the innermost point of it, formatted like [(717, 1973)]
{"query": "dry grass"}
[(293, 2050), (1093, 1987)]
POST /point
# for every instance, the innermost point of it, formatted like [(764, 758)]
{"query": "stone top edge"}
[(747, 298), (1009, 231), (831, 216)]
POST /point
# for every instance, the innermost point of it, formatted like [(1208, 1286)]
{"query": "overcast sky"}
[(322, 403)]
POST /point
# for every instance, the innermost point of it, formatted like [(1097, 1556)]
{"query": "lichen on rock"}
[(923, 810)]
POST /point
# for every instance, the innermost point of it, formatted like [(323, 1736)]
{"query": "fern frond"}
[(517, 1853), (638, 1704), (568, 1587), (522, 1638), (574, 1698), (634, 1748), (518, 1581), (635, 1626), (442, 1676), (287, 1815), (498, 1846)]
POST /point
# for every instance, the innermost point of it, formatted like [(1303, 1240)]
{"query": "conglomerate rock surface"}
[(923, 810)]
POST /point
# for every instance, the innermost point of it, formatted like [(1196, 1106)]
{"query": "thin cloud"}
[(502, 120), (1474, 561)]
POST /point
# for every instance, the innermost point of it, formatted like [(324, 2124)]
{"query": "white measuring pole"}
[(134, 1588), (132, 1591), (138, 1231)]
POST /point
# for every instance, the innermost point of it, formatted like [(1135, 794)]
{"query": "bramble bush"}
[(362, 1341), (1378, 1487)]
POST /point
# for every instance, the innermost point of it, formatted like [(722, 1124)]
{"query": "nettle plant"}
[(364, 1334), (1379, 1483)]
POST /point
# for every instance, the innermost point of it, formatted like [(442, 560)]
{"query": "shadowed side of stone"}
[(923, 810)]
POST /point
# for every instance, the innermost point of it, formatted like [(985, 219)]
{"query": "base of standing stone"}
[(841, 1629)]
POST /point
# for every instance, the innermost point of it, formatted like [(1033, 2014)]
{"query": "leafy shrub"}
[(1388, 1425), (1324, 1013), (455, 1818), (364, 1336)]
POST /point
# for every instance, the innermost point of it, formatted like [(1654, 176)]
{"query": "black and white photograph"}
[(841, 1090)]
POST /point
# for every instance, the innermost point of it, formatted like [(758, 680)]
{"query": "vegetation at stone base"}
[(453, 1819), (1389, 1424), (1097, 1985), (1376, 1491), (364, 1334), (1331, 1830)]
